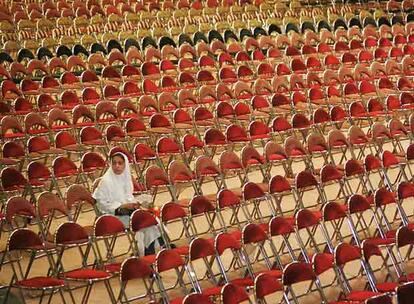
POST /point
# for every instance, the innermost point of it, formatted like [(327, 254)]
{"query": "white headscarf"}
[(113, 189)]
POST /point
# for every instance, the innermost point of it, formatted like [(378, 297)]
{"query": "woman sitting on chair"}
[(114, 195)]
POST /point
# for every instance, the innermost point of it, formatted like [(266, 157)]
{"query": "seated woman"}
[(114, 195)]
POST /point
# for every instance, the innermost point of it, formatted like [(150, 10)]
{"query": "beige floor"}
[(99, 294)]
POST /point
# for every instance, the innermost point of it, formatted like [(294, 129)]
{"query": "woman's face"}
[(118, 164)]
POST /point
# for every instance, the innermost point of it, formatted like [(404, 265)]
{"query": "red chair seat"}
[(182, 250), (13, 135), (361, 295), (178, 300), (14, 188), (406, 278), (41, 282), (95, 142), (37, 131), (254, 161), (7, 162), (212, 291), (359, 141), (86, 274), (259, 136), (150, 259), (297, 152), (243, 282), (65, 173), (387, 286), (36, 183), (239, 139), (380, 241), (318, 148), (273, 272), (137, 134), (237, 234), (158, 182), (181, 177), (391, 234), (113, 268), (51, 151), (209, 172), (277, 157)]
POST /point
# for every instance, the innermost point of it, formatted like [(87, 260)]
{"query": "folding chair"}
[(360, 222), (297, 153), (107, 229), (155, 179), (308, 234), (18, 213), (281, 191), (299, 272), (140, 220), (355, 173), (389, 212), (204, 277), (375, 171), (347, 258), (338, 144), (180, 176), (306, 185), (229, 206), (231, 260), (13, 182), (230, 166), (233, 294), (92, 166), (169, 264), (281, 128), (196, 298), (66, 170), (192, 145), (266, 288), (360, 142), (73, 237), (167, 149), (40, 177), (375, 263), (409, 156), (256, 234), (253, 194), (253, 160), (405, 193), (404, 248), (135, 269), (49, 208), (201, 209), (392, 162), (317, 148), (333, 181), (276, 156), (206, 169), (175, 224), (25, 240), (381, 135)]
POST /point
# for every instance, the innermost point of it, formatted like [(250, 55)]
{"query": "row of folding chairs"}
[(268, 51), (201, 250), (358, 146), (340, 41), (132, 83)]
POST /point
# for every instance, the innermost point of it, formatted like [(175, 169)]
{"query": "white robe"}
[(115, 190)]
